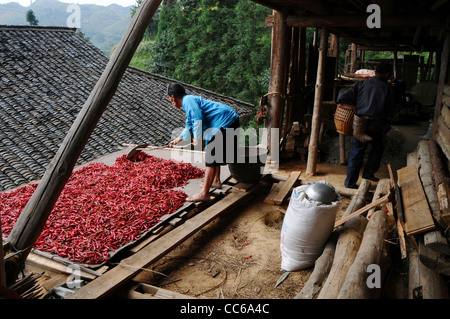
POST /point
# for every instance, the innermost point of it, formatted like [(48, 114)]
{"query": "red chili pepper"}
[(102, 208)]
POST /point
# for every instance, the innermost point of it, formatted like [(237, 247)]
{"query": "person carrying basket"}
[(374, 102)]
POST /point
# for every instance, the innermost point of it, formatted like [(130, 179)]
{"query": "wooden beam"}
[(360, 21), (33, 217), (318, 98), (317, 6), (281, 189), (445, 57), (109, 282), (417, 213), (278, 77), (354, 58), (362, 210)]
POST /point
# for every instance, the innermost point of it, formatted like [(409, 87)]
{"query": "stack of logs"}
[(341, 270), (344, 268), (443, 120), (430, 260)]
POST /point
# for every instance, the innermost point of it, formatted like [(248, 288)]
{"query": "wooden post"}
[(354, 59), (394, 67), (445, 56), (277, 78), (33, 217), (299, 100), (315, 127), (292, 80), (302, 59)]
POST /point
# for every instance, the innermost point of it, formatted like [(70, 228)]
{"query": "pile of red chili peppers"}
[(105, 207)]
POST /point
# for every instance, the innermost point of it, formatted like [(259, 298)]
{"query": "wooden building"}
[(396, 26), (412, 26)]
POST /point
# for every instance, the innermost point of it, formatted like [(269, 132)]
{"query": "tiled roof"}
[(47, 74)]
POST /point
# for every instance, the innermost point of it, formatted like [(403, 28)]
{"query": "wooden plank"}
[(276, 187), (243, 187), (442, 75), (417, 213), (362, 210), (129, 267), (286, 187), (146, 291)]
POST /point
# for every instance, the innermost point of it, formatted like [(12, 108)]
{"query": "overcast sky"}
[(123, 3)]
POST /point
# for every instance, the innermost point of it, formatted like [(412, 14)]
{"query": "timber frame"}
[(414, 25), (411, 26)]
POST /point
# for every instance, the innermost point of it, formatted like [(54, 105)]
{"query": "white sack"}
[(306, 228)]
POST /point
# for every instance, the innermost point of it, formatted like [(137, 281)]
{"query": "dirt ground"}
[(238, 255)]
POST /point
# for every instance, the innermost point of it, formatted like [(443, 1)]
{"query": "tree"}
[(222, 46), (31, 18)]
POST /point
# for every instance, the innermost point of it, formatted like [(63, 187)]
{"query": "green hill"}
[(103, 25)]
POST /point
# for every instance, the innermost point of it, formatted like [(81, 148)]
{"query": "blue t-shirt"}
[(204, 118)]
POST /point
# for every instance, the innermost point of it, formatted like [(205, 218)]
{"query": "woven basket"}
[(343, 118)]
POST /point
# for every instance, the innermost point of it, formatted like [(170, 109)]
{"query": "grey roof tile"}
[(47, 74)]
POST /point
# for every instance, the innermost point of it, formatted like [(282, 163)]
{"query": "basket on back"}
[(343, 118)]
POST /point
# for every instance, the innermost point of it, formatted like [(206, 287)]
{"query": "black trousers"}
[(221, 144), (357, 152)]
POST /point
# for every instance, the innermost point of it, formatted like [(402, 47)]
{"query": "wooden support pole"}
[(33, 217), (291, 81), (359, 198), (278, 77), (362, 210), (354, 58), (315, 127), (302, 59), (445, 56)]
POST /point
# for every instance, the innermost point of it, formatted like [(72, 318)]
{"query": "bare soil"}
[(238, 255)]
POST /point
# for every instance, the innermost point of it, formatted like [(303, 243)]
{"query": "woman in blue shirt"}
[(207, 120)]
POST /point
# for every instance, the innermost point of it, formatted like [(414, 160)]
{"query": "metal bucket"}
[(248, 165)]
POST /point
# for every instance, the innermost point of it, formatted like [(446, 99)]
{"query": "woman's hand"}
[(194, 141), (175, 142)]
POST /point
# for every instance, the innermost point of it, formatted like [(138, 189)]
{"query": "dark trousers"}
[(357, 152), (212, 159)]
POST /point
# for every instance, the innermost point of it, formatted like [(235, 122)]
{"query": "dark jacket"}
[(374, 99)]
